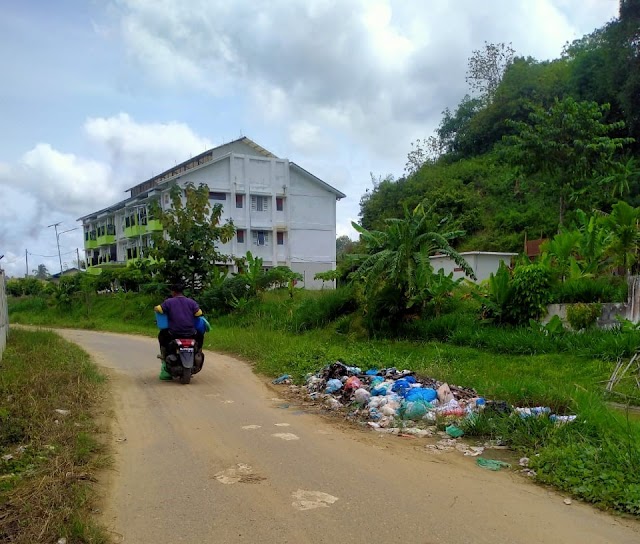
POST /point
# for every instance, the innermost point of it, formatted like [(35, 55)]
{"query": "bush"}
[(583, 316), (25, 287), (531, 292), (604, 289)]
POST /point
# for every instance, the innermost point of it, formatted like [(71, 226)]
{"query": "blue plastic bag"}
[(201, 325), (162, 320), (401, 387), (380, 390), (421, 393), (333, 386)]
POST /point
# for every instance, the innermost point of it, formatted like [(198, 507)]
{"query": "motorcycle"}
[(183, 358)]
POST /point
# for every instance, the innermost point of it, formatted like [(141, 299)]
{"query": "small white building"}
[(282, 213), (483, 263)]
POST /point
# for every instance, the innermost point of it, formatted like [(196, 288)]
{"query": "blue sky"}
[(100, 95)]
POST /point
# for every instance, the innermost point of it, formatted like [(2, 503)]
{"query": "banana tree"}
[(398, 256), (623, 225)]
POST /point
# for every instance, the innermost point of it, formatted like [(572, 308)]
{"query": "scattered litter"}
[(285, 378), (562, 419), (568, 501), (536, 411), (250, 427), (62, 540), (62, 412), (7, 457), (524, 462), (454, 432), (491, 464), (284, 406), (282, 424), (121, 439)]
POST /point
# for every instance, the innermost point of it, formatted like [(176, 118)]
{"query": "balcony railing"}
[(135, 230), (90, 240), (154, 225)]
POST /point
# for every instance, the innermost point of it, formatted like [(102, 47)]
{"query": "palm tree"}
[(398, 256)]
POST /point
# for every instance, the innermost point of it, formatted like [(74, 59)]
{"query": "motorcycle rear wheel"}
[(186, 376)]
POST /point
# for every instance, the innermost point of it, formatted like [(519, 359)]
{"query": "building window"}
[(259, 203), (217, 196), (239, 201), (240, 236), (280, 238), (260, 238), (279, 203)]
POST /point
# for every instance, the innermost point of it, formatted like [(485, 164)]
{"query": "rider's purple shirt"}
[(181, 312)]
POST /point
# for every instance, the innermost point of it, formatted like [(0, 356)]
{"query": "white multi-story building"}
[(282, 213)]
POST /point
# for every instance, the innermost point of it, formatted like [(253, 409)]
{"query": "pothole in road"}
[(308, 500), (286, 436), (240, 474)]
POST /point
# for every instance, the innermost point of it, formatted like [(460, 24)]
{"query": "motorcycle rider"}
[(181, 312)]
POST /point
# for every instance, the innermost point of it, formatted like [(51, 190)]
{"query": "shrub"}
[(583, 316), (531, 292)]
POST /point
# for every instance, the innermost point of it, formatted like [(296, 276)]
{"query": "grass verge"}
[(49, 457)]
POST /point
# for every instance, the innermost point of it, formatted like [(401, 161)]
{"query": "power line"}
[(50, 256)]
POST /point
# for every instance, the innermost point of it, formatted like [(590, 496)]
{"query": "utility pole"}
[(26, 260), (78, 254), (55, 226)]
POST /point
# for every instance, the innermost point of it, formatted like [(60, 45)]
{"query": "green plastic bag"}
[(164, 373), (454, 432), (491, 464)]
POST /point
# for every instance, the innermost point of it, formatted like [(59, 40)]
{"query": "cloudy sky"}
[(101, 94)]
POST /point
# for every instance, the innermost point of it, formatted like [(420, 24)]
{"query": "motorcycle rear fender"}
[(186, 357)]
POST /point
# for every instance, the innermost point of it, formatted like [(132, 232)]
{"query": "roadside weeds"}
[(51, 445)]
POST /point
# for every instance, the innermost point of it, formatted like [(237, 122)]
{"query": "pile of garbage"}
[(398, 401), (385, 398)]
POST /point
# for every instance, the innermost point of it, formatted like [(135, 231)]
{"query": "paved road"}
[(220, 461)]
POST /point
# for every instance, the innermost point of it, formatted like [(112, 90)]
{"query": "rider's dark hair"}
[(177, 288)]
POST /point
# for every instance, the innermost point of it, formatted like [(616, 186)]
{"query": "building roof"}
[(207, 156), (496, 253), (199, 161), (339, 194)]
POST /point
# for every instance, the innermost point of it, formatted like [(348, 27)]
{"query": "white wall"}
[(482, 263)]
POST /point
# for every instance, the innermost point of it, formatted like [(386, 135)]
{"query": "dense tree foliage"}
[(187, 250), (534, 142)]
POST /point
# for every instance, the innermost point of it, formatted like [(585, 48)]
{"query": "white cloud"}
[(46, 185), (389, 67), (141, 150)]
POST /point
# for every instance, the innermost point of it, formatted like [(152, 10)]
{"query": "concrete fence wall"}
[(4, 314), (627, 310)]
